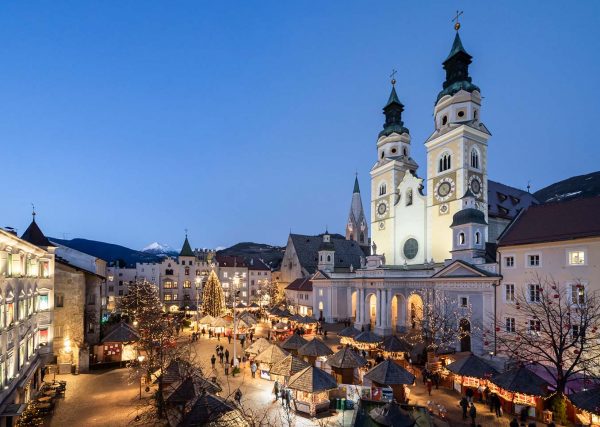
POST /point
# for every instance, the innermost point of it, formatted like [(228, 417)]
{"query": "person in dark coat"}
[(473, 414), (464, 405), (238, 396), (514, 422), (213, 359), (226, 355), (497, 406), (469, 394)]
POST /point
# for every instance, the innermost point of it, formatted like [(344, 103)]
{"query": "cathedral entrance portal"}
[(398, 313), (415, 311), (465, 335), (371, 305)]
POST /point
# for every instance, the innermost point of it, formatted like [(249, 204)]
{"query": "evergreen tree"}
[(213, 300)]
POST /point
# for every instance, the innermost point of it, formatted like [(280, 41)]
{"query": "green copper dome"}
[(393, 116), (457, 71)]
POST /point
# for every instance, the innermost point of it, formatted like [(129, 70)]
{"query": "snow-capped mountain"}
[(156, 248)]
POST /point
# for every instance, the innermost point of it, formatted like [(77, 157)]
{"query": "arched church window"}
[(444, 120), (461, 238), (328, 258), (404, 151), (382, 189), (321, 258), (477, 238), (409, 197), (474, 158), (475, 114), (382, 154), (445, 162)]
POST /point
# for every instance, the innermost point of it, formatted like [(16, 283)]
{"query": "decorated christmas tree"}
[(213, 300)]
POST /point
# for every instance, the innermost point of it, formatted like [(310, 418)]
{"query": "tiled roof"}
[(303, 284), (588, 400), (551, 222), (231, 261), (294, 342), (389, 372), (34, 235), (312, 380), (368, 337), (506, 202), (271, 355), (288, 366), (258, 346), (346, 358), (186, 249), (348, 332), (347, 252), (472, 366), (521, 380), (315, 348)]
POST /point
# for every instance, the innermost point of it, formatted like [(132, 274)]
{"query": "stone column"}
[(378, 317), (389, 309)]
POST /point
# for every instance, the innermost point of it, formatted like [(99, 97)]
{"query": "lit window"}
[(510, 324), (168, 297), (187, 284), (578, 294), (576, 257), (43, 301), (321, 292)]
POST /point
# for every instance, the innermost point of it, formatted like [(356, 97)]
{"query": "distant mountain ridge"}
[(160, 249), (107, 251), (576, 187)]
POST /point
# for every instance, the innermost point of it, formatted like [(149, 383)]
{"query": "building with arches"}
[(432, 237)]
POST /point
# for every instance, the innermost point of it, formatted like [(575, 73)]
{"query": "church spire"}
[(186, 249), (393, 113), (457, 70), (356, 228)]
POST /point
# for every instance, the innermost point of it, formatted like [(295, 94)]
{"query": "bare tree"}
[(555, 325), (441, 323)]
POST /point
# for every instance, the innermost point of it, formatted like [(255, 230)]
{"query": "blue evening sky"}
[(129, 121)]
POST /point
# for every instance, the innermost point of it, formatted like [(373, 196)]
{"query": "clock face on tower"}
[(475, 185), (444, 189), (382, 208)]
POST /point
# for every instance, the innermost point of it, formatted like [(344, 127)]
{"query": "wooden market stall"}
[(518, 388), (293, 343), (345, 364), (389, 373), (118, 345), (395, 348), (283, 370), (309, 324), (205, 322), (470, 372), (310, 388), (219, 325), (368, 341), (281, 330), (269, 357), (209, 409), (315, 351), (586, 407), (347, 334)]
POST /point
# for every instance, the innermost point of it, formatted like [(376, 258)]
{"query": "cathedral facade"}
[(429, 236)]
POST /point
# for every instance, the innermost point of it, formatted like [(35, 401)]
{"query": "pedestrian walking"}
[(242, 340), (464, 404), (238, 396), (253, 369), (497, 406), (221, 355), (283, 392), (469, 394), (251, 336), (213, 360), (473, 414), (227, 369), (288, 397), (218, 336), (429, 385), (229, 338), (227, 355), (276, 390)]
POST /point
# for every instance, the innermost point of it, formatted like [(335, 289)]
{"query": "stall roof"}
[(315, 348), (588, 400), (258, 346), (294, 342), (288, 366), (312, 380), (208, 409), (472, 366), (346, 358), (393, 344), (122, 333), (522, 380), (271, 355), (368, 337), (389, 372), (390, 415), (348, 332)]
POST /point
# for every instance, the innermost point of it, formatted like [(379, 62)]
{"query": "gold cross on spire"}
[(393, 77), (457, 24)]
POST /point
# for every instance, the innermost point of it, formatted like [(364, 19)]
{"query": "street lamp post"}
[(140, 359)]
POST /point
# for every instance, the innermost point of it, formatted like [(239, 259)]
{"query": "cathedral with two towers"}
[(431, 238)]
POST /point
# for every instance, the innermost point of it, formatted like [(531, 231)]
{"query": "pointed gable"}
[(186, 249), (463, 269)]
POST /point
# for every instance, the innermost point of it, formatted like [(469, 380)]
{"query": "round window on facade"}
[(461, 114), (394, 151), (411, 247)]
